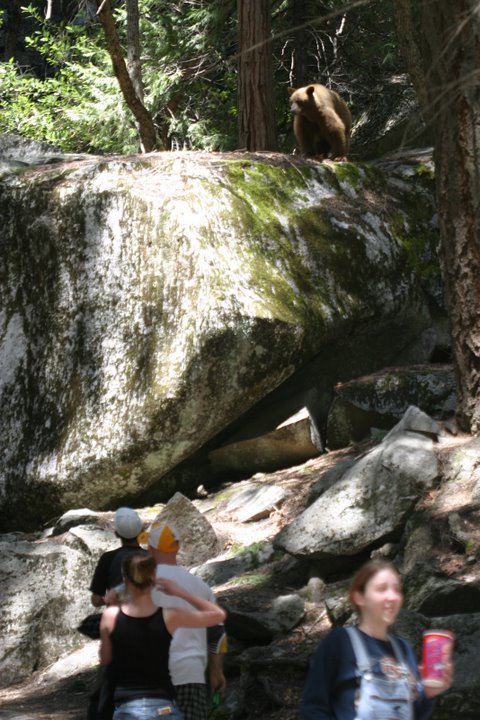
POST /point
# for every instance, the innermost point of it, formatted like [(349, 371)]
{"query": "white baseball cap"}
[(127, 523), (164, 537)]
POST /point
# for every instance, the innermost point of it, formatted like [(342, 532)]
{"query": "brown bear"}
[(321, 123)]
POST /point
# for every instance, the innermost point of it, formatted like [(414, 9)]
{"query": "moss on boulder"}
[(147, 302)]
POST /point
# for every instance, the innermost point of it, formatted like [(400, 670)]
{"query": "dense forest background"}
[(188, 62)]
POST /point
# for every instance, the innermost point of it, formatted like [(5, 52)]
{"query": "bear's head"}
[(302, 100)]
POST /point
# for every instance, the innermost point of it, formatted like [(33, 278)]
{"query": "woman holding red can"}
[(363, 672)]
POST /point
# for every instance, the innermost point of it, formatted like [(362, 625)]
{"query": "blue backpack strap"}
[(361, 654), (398, 652)]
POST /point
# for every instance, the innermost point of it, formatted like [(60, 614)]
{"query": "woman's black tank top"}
[(140, 648)]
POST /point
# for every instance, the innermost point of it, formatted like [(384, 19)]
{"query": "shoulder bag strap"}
[(361, 655), (398, 652)]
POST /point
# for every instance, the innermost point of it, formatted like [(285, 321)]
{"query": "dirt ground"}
[(65, 699)]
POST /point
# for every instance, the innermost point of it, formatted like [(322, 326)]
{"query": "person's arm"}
[(98, 586), (107, 623), (217, 680), (97, 600), (217, 648), (322, 678), (206, 613)]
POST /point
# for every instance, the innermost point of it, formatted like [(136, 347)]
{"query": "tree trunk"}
[(416, 63), (300, 74), (148, 136), (133, 47), (449, 46), (12, 16), (256, 119)]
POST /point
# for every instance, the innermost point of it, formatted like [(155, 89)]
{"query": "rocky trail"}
[(61, 692), (269, 676)]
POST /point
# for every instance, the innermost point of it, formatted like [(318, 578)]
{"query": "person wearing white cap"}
[(107, 575), (127, 525), (190, 652)]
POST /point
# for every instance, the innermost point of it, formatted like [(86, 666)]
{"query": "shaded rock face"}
[(380, 400), (391, 124), (146, 303)]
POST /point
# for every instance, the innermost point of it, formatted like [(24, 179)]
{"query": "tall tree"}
[(444, 57), (133, 47), (256, 117), (149, 139), (310, 49), (11, 21), (299, 71)]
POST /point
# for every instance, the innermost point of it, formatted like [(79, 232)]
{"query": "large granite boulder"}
[(148, 302)]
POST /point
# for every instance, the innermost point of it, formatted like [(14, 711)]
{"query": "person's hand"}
[(447, 679), (168, 586), (217, 681), (111, 597)]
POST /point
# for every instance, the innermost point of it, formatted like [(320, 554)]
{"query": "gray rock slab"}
[(255, 502), (198, 539), (369, 503), (44, 597), (291, 443), (380, 400)]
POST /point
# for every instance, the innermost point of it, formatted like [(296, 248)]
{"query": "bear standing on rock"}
[(321, 123)]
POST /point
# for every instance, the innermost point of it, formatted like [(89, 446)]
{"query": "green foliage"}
[(237, 549), (193, 99), (251, 580), (76, 106), (189, 65)]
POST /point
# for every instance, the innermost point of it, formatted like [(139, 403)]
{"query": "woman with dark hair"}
[(135, 640), (338, 689)]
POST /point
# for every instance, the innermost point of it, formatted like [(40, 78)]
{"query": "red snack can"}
[(434, 643)]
